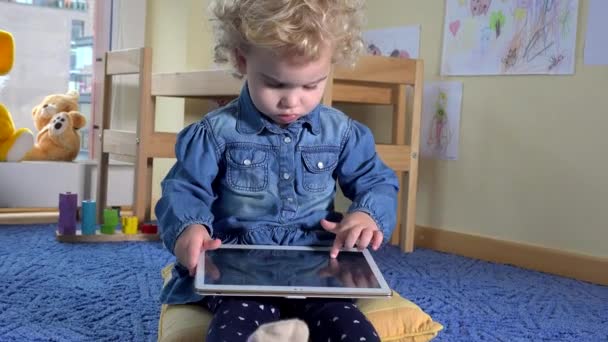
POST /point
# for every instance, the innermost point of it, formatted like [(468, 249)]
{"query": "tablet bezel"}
[(291, 291)]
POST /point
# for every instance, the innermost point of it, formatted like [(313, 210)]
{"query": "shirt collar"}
[(252, 121)]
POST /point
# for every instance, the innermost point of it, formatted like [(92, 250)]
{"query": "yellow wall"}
[(180, 41), (531, 166)]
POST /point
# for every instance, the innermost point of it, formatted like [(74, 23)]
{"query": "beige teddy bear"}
[(59, 140), (53, 104)]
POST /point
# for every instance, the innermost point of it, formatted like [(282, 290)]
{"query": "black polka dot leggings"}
[(235, 318)]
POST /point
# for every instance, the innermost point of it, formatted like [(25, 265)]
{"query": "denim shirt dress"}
[(251, 181)]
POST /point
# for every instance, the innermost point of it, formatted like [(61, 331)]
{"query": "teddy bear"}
[(53, 104), (59, 140), (14, 142)]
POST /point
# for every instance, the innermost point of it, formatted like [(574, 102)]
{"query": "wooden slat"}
[(29, 217), (368, 93), (12, 216), (25, 210), (202, 83), (119, 142), (395, 156), (123, 62), (161, 145), (98, 237), (103, 158), (399, 130), (123, 158), (145, 131), (408, 237), (379, 69)]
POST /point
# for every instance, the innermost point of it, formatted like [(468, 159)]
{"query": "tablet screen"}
[(301, 268)]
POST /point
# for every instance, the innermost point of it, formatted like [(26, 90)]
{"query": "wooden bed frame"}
[(375, 80)]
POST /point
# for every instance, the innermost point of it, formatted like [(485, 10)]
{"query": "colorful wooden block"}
[(129, 225), (110, 221), (89, 220), (149, 228), (68, 206)]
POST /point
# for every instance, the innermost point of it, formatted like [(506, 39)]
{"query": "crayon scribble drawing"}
[(401, 42), (441, 120), (439, 131), (497, 37)]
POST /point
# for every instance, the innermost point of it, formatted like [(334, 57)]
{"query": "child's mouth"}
[(286, 118)]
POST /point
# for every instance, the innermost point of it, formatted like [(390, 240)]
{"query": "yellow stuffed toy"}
[(14, 143)]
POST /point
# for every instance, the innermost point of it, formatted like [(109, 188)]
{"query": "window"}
[(53, 54)]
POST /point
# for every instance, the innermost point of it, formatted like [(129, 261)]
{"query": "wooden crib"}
[(375, 80)]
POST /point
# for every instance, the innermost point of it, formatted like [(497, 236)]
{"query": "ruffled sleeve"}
[(187, 192)]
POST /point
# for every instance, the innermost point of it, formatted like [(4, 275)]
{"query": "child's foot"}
[(291, 330)]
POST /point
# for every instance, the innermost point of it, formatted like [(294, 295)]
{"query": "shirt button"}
[(287, 140), (286, 175), (320, 165), (247, 162)]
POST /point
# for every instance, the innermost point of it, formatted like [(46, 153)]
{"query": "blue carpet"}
[(51, 291)]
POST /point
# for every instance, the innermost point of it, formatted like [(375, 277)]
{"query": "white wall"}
[(38, 184)]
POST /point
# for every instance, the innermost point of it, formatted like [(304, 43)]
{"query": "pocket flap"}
[(247, 157), (320, 161)]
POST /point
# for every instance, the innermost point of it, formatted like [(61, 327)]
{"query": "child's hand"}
[(355, 228), (191, 243)]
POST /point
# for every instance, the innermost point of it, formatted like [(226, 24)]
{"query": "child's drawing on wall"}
[(441, 120), (400, 42), (439, 130), (484, 37)]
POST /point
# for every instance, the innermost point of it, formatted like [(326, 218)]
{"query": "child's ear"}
[(240, 61), (78, 120)]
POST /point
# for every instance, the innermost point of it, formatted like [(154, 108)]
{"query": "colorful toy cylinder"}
[(129, 225), (68, 206), (110, 221), (89, 220), (149, 228)]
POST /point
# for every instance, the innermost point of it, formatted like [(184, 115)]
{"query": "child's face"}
[(284, 89)]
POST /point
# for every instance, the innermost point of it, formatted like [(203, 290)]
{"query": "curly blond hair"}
[(290, 27)]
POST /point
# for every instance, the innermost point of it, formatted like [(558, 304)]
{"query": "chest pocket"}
[(247, 169), (318, 169)]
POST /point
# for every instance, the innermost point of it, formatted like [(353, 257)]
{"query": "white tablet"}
[(289, 271)]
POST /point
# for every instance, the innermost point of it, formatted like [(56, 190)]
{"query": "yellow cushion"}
[(396, 319)]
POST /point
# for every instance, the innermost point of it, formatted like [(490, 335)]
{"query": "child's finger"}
[(338, 243), (328, 225), (377, 239), (194, 250), (352, 237), (209, 245), (365, 238)]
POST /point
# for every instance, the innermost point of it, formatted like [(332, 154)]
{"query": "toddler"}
[(263, 168)]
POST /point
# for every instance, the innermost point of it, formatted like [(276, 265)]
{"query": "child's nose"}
[(289, 100)]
